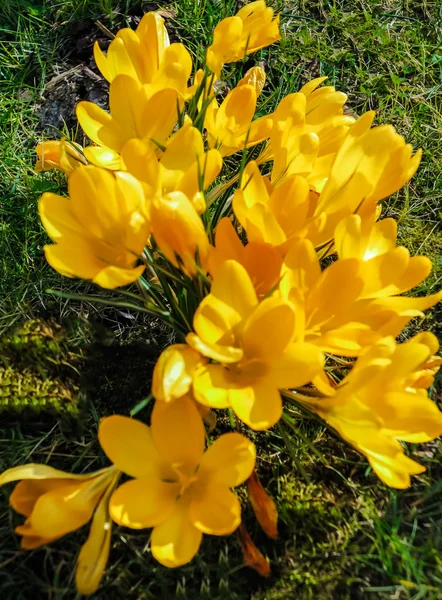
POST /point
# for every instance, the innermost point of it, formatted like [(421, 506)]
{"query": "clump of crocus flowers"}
[(283, 285)]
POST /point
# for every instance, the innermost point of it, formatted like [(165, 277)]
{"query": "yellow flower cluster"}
[(283, 286)]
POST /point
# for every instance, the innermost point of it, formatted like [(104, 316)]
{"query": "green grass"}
[(342, 533)]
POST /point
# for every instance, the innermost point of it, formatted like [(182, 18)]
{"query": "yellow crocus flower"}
[(147, 56), (261, 261), (272, 216), (371, 164), (173, 373), (342, 312), (308, 129), (56, 503), (253, 27), (383, 401), (179, 490), (254, 344), (230, 127), (100, 231), (134, 114), (59, 154), (171, 169), (387, 270), (179, 232)]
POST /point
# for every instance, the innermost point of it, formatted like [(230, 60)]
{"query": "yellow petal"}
[(207, 167), (173, 372), (178, 445), (140, 160), (310, 86), (231, 299), (100, 127), (227, 246), (103, 157), (173, 157), (209, 386), (83, 263), (36, 471), (124, 55), (30, 539), (64, 509), (301, 271), (258, 405), (57, 216), (395, 471), (142, 503), (186, 239), (160, 115), (218, 352), (26, 493), (275, 315), (235, 114), (413, 418), (174, 72), (263, 264), (127, 103), (94, 553), (153, 34), (300, 363), (215, 511), (176, 541), (113, 277), (129, 444), (102, 200), (229, 461), (258, 220), (101, 62), (323, 303)]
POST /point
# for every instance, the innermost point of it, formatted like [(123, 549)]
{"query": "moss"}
[(39, 370)]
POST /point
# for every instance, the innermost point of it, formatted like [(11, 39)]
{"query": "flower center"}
[(185, 480)]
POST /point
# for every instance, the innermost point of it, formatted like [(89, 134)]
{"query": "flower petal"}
[(82, 263), (99, 126), (224, 354), (173, 372), (36, 471), (269, 329), (176, 541), (127, 103), (141, 503), (129, 444), (178, 433), (64, 509), (209, 166), (229, 461), (300, 363), (27, 492), (231, 299), (113, 277), (210, 386), (259, 406), (94, 553), (103, 157), (216, 511)]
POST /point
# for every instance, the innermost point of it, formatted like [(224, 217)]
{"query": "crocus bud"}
[(255, 76), (263, 506), (179, 232), (173, 373), (62, 155)]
